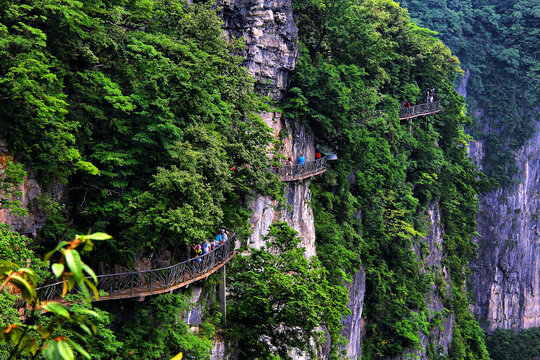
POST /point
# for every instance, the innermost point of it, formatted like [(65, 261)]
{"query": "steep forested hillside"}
[(497, 42), (146, 115), (141, 109), (359, 61), (131, 104)]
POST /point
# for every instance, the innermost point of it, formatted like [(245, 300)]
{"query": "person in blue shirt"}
[(218, 238), (300, 160)]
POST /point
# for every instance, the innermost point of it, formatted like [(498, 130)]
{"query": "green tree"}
[(33, 337), (280, 301), (157, 331)]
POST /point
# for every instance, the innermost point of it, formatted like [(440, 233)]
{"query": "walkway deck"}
[(419, 110), (138, 284), (299, 172)]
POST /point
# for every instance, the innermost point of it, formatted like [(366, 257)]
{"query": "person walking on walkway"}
[(288, 166), (198, 253), (408, 107), (224, 236)]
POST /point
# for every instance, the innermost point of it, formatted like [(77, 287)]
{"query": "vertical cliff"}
[(30, 189), (506, 276), (438, 337), (353, 325), (271, 54)]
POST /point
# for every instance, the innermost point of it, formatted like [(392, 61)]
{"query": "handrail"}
[(155, 281), (298, 172), (419, 110)]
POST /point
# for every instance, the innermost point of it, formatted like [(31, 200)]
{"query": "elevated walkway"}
[(419, 110), (138, 284), (299, 172)]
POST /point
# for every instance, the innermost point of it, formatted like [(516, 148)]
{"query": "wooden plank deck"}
[(156, 288)]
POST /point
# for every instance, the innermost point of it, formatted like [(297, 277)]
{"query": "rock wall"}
[(353, 325), (270, 36), (506, 276), (439, 339), (34, 221), (271, 55), (299, 141)]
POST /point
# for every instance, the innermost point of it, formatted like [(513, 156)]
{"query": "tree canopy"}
[(142, 107), (360, 61)]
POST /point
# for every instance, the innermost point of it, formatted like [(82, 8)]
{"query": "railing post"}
[(150, 282), (222, 293), (132, 276)]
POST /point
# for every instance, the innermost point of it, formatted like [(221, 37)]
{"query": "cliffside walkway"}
[(419, 110), (299, 172), (138, 284)]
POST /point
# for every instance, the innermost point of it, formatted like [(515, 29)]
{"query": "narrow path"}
[(299, 172), (419, 110), (138, 284)]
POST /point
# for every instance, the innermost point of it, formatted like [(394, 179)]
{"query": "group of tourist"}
[(219, 239), (430, 97), (301, 160)]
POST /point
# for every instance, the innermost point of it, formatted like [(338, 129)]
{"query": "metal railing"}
[(299, 172), (155, 281), (419, 110)]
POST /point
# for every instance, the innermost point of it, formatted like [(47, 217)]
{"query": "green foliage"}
[(42, 337), (103, 345), (157, 331), (497, 43), (279, 299), (505, 344), (57, 226), (11, 177), (359, 61), (121, 99), (16, 249)]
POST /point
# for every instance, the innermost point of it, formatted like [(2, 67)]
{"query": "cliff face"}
[(506, 276), (30, 189), (438, 340), (271, 54), (353, 325), (270, 36)]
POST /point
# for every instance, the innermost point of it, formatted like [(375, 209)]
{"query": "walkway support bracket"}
[(222, 293)]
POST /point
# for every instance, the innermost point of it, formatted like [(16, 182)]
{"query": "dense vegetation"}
[(282, 297), (132, 103), (142, 110), (498, 42), (506, 344), (359, 61)]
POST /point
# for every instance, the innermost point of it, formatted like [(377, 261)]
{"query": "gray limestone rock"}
[(353, 325), (506, 275), (30, 188)]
